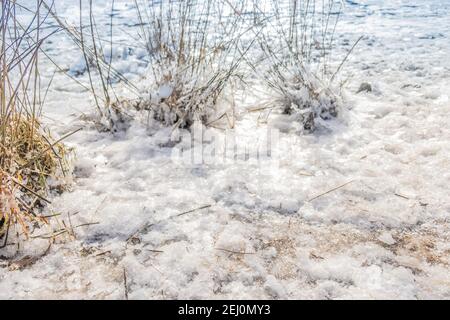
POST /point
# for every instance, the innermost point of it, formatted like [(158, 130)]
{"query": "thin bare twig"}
[(329, 191), (29, 190), (193, 210), (234, 252), (125, 284)]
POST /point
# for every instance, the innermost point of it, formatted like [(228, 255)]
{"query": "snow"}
[(387, 238), (78, 67), (252, 230), (165, 91), (274, 287)]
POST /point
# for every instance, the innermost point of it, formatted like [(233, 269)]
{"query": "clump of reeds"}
[(195, 48), (296, 46), (194, 51), (111, 116), (29, 156)]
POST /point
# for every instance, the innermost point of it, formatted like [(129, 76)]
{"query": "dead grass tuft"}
[(29, 157)]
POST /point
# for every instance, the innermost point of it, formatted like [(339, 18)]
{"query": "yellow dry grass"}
[(28, 158)]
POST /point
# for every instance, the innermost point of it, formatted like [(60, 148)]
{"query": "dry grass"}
[(296, 45), (190, 65), (194, 51), (29, 156), (100, 71)]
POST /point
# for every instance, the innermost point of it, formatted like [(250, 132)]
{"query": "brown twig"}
[(234, 252), (193, 210), (86, 224), (29, 190), (148, 225), (102, 253), (125, 285), (156, 251), (401, 196), (329, 191)]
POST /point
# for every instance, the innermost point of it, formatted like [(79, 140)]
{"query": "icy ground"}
[(260, 235)]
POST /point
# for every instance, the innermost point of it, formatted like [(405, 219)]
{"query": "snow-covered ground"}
[(249, 229)]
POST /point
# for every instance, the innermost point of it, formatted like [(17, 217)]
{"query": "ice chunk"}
[(387, 238), (165, 91)]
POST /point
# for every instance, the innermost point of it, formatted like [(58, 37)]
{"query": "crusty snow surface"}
[(261, 234)]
